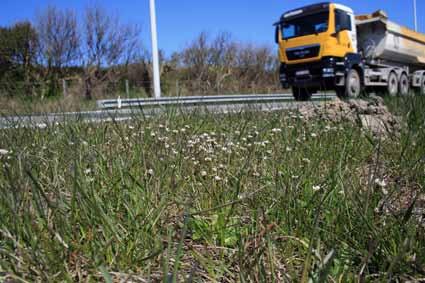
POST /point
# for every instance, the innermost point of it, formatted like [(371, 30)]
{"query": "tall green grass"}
[(245, 197)]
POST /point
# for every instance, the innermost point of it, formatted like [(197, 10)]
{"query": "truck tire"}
[(353, 86), (301, 93), (404, 85), (392, 86)]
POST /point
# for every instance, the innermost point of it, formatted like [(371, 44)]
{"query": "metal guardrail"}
[(117, 109), (199, 100)]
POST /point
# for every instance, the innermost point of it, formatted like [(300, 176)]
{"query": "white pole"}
[(155, 57), (415, 16)]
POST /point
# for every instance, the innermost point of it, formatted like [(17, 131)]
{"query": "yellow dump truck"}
[(326, 47)]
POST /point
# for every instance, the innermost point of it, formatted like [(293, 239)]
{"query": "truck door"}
[(345, 32)]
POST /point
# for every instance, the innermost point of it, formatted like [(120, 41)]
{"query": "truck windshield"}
[(311, 24)]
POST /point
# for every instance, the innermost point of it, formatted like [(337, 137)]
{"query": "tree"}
[(18, 52), (60, 42), (108, 45), (210, 62)]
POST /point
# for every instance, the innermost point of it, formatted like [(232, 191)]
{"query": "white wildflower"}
[(314, 135), (87, 171), (217, 178), (380, 183), (4, 152), (237, 133), (204, 173), (306, 160), (41, 125), (276, 130), (150, 172), (316, 188), (288, 149), (208, 159)]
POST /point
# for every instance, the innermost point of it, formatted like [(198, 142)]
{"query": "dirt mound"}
[(370, 114)]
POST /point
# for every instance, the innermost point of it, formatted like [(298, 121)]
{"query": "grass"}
[(249, 197), (24, 106)]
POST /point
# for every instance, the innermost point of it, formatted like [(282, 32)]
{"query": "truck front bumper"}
[(321, 74)]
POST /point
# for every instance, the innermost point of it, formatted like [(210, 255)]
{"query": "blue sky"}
[(179, 21)]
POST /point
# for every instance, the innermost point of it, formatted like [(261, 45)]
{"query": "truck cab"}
[(318, 50)]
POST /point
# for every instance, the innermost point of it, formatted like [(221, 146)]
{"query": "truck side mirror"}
[(276, 34)]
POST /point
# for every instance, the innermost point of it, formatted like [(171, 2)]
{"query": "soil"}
[(370, 114)]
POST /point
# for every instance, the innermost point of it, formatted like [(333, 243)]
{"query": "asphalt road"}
[(217, 107)]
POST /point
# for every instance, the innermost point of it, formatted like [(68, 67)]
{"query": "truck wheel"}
[(392, 84), (404, 85), (301, 93), (353, 86)]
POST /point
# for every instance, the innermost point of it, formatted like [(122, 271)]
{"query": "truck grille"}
[(304, 52)]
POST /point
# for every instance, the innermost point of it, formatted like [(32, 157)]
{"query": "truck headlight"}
[(328, 72)]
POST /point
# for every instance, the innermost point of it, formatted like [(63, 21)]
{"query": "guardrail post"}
[(64, 88), (127, 88)]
